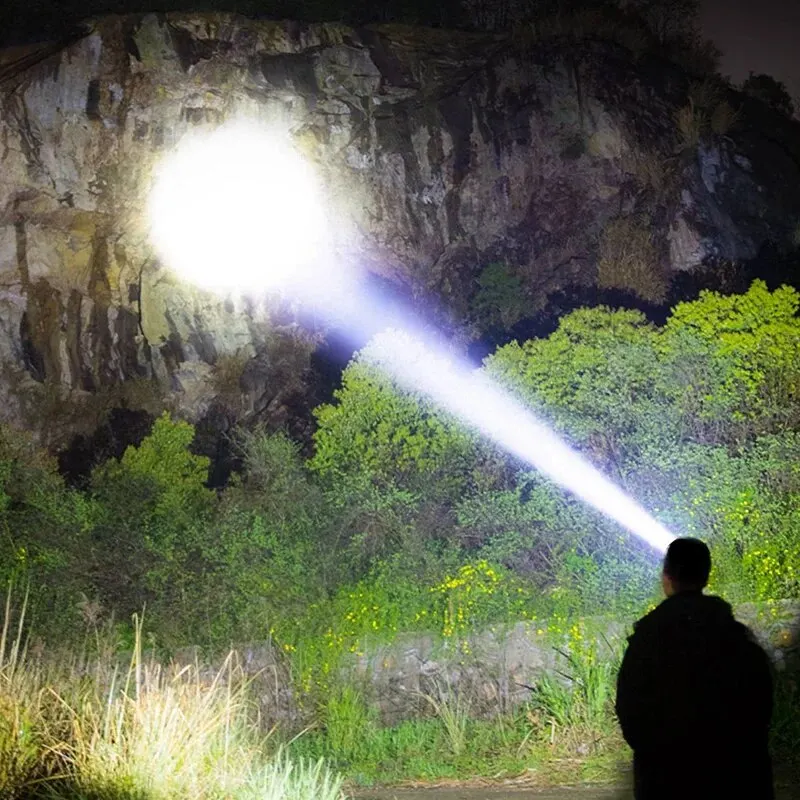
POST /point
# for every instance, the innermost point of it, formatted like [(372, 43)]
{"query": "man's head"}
[(686, 566)]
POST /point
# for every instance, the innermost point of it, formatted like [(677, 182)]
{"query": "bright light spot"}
[(473, 398), (238, 209)]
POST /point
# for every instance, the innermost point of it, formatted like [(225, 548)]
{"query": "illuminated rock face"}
[(441, 153)]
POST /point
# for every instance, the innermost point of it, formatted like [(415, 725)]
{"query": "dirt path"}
[(511, 793), (499, 793)]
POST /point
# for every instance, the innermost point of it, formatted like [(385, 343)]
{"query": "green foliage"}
[(347, 721), (739, 356), (153, 508), (44, 531), (452, 706), (565, 717), (689, 418), (421, 522), (501, 299), (477, 594), (402, 521), (171, 476), (376, 432), (261, 551), (577, 701), (593, 378)]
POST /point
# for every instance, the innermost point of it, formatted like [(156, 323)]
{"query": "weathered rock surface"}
[(440, 153)]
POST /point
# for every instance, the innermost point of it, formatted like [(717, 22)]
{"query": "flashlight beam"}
[(475, 399)]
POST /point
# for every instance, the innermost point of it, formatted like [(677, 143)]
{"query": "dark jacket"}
[(694, 699)]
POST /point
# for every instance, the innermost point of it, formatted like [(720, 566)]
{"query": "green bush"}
[(500, 300)]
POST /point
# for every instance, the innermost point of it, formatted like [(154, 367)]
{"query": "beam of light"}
[(476, 400), (238, 209)]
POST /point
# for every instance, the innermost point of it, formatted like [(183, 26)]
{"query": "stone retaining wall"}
[(495, 667)]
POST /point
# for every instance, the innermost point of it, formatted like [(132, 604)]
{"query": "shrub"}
[(577, 703), (501, 298), (395, 438), (770, 91)]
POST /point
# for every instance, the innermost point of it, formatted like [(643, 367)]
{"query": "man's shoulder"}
[(682, 608)]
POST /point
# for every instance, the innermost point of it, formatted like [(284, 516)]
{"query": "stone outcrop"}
[(440, 153)]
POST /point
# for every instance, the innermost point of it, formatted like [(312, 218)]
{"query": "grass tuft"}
[(452, 707), (629, 259), (141, 732)]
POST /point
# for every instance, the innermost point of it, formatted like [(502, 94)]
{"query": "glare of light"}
[(237, 208), (472, 397)]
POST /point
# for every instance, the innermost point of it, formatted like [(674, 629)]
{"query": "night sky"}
[(757, 35)]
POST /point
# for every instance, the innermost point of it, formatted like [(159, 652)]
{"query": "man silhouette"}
[(694, 693)]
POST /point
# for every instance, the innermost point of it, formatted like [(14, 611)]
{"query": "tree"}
[(154, 504), (389, 436), (770, 91)]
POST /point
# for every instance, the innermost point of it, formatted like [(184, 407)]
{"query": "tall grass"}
[(452, 707), (139, 731), (691, 121), (22, 753), (579, 703), (347, 720)]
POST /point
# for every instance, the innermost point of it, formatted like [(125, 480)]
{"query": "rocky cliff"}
[(567, 164)]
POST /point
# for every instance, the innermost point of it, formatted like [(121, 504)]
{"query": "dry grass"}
[(629, 259), (724, 117), (707, 111), (146, 731), (692, 123), (653, 171)]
